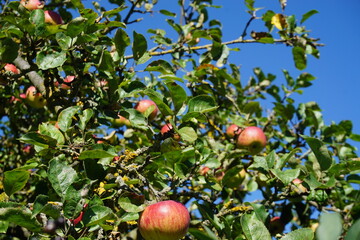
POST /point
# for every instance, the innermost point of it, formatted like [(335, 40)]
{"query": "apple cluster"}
[(51, 17)]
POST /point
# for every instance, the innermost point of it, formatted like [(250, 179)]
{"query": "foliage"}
[(68, 170)]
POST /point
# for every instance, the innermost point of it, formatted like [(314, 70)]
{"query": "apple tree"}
[(103, 114)]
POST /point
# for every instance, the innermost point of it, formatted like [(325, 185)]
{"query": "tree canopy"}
[(99, 121)]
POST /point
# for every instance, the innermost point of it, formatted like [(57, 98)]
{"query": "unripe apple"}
[(252, 138), (32, 4), (34, 98), (299, 187), (120, 121), (143, 105), (166, 220), (233, 130), (236, 180), (276, 226), (52, 17), (11, 68)]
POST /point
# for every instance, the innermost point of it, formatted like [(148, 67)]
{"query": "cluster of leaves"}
[(69, 160)]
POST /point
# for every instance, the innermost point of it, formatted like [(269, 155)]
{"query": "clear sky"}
[(337, 85)]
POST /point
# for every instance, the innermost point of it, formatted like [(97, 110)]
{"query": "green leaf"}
[(93, 169), (202, 104), (76, 26), (299, 57), (50, 59), (21, 217), (41, 205), (15, 180), (253, 228), (38, 139), (330, 226), (299, 234), (66, 116), (106, 62), (286, 176), (307, 15), (188, 134), (201, 235), (121, 40), (95, 153), (158, 99), (127, 206), (354, 231), (139, 45), (161, 66), (4, 226), (345, 167), (64, 41), (85, 117), (61, 175), (96, 215), (37, 17), (52, 131), (167, 13), (72, 205), (8, 50), (321, 152), (177, 93)]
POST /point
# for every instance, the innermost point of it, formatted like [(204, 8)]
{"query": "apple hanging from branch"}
[(34, 98), (252, 139), (166, 220), (145, 106), (32, 4)]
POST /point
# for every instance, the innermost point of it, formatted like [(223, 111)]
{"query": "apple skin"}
[(166, 220), (276, 226), (237, 180), (11, 68), (120, 121), (166, 130), (32, 4), (144, 104), (233, 130), (52, 17), (34, 98), (252, 138)]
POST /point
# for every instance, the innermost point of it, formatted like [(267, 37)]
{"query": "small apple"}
[(252, 138), (34, 98), (52, 17), (166, 220), (299, 187), (204, 170), (120, 121), (219, 174), (276, 226), (143, 106), (233, 130), (32, 4), (237, 180), (11, 68), (167, 130)]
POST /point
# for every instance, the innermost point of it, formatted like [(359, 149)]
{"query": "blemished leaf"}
[(96, 215), (177, 93), (279, 21), (21, 217), (307, 15), (47, 60), (95, 153), (330, 226), (139, 45), (321, 152), (61, 175), (202, 104), (286, 176), (66, 116), (127, 206), (299, 57), (121, 40), (299, 234), (188, 134), (15, 180), (52, 131), (253, 228), (354, 231)]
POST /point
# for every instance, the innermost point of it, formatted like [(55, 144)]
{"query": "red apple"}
[(143, 106), (166, 220), (276, 226), (204, 170), (34, 98), (166, 128), (32, 4), (11, 68), (52, 17), (252, 138), (233, 130)]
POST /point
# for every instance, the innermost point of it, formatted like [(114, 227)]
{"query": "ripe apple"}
[(166, 220), (143, 106), (52, 17), (32, 4), (252, 138), (34, 98), (204, 170), (276, 226), (233, 130), (166, 130), (120, 121), (11, 68)]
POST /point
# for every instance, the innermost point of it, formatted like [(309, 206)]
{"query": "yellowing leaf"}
[(279, 21)]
